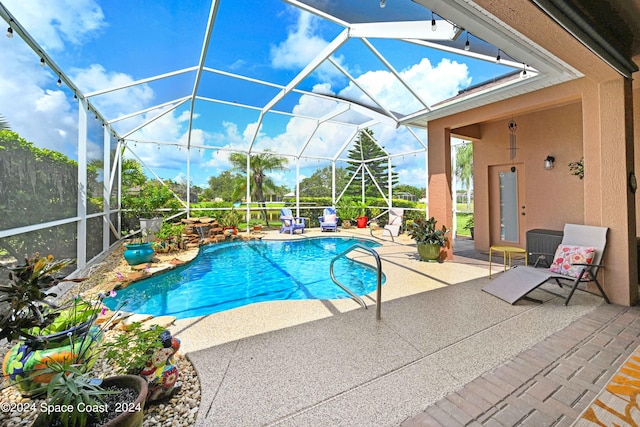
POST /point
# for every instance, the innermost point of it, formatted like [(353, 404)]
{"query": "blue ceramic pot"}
[(138, 253)]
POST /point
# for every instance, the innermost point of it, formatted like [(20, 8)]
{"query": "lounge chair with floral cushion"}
[(328, 220), (576, 262)]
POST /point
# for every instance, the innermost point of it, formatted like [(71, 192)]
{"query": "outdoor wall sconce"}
[(548, 162)]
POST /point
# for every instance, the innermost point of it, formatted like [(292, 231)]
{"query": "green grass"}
[(462, 207), (461, 221)]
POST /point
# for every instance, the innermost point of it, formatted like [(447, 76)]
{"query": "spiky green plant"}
[(72, 387)]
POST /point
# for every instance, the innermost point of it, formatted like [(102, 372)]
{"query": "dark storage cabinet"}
[(543, 242)]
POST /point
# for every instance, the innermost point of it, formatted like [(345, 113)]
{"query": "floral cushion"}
[(566, 255), (330, 218)]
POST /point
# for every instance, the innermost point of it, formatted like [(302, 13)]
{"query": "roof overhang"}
[(551, 70)]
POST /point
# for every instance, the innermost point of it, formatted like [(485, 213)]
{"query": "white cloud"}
[(53, 23), (415, 176), (434, 84), (35, 108), (230, 138), (31, 92), (113, 104), (398, 141), (302, 45), (181, 178), (40, 115), (218, 161), (281, 178), (169, 129)]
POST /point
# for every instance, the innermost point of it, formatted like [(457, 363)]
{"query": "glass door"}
[(506, 205), (508, 182)]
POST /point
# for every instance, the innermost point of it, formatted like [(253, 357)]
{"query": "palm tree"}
[(132, 173), (260, 165), (464, 168)]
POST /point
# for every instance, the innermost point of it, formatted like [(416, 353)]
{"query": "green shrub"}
[(131, 350)]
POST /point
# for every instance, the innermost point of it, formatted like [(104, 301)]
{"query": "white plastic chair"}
[(396, 216)]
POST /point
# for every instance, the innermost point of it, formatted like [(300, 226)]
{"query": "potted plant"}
[(428, 238), (362, 214), (374, 212), (115, 401), (347, 211), (144, 204), (57, 348), (469, 225), (45, 330), (169, 237), (148, 353), (230, 221), (129, 352), (138, 249)]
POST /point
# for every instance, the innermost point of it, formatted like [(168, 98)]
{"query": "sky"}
[(106, 44)]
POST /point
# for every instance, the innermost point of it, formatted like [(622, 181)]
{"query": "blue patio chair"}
[(291, 223), (328, 220)]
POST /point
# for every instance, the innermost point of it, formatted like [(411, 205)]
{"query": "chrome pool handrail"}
[(379, 273)]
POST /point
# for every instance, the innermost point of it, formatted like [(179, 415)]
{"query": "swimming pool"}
[(231, 275)]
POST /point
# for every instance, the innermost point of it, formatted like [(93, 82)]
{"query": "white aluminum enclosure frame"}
[(543, 69)]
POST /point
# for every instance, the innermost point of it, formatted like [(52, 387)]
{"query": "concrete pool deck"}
[(330, 363)]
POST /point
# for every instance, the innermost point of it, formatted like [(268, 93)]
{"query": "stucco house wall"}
[(566, 121), (552, 197)]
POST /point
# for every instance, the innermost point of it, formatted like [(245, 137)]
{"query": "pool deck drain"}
[(308, 363)]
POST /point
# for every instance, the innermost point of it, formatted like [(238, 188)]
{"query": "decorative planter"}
[(230, 231), (428, 251), (131, 415), (346, 224), (22, 359), (471, 230), (362, 222), (134, 417), (139, 253)]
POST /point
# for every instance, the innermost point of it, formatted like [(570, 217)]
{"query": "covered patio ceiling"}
[(329, 95)]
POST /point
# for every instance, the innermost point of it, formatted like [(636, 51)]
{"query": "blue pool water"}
[(231, 275)]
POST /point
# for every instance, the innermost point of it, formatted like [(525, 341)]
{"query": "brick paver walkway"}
[(548, 385)]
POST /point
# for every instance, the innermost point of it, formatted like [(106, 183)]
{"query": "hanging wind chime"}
[(513, 127)]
